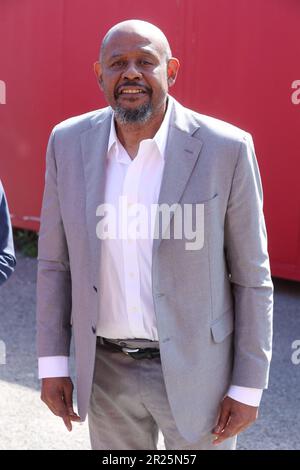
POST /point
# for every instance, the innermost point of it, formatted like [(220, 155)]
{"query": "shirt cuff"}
[(246, 395), (53, 366)]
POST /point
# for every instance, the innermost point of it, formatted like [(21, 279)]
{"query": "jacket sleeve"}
[(249, 268), (7, 253), (53, 280)]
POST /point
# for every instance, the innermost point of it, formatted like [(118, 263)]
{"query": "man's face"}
[(133, 75)]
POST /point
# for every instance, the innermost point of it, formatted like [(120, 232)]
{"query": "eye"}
[(117, 63), (145, 62)]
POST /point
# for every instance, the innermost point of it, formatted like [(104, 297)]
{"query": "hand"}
[(234, 418), (57, 393)]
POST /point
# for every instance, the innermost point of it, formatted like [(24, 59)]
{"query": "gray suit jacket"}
[(7, 252), (213, 306)]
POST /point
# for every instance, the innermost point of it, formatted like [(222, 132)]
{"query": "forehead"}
[(125, 43)]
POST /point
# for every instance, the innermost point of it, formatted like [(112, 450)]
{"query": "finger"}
[(68, 397), (51, 408), (67, 406), (73, 416), (76, 419), (231, 433), (66, 419), (68, 401), (62, 413), (59, 408), (233, 427), (56, 404), (223, 418)]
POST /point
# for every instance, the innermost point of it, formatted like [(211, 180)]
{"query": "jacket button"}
[(95, 288), (93, 329)]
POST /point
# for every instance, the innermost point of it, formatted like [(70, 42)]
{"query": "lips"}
[(131, 90)]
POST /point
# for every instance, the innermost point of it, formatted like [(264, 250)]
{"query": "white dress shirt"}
[(125, 298)]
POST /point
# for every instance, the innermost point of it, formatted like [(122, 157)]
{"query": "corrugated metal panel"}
[(238, 62)]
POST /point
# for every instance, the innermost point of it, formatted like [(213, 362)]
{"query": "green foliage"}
[(26, 241)]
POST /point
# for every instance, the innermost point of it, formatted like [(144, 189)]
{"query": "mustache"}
[(133, 84)]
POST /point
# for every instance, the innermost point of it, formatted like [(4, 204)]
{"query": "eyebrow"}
[(142, 51)]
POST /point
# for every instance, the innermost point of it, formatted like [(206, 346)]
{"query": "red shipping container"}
[(239, 63)]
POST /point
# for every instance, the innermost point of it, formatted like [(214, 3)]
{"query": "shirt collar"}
[(160, 137)]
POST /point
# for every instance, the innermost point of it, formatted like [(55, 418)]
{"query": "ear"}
[(172, 70), (98, 73)]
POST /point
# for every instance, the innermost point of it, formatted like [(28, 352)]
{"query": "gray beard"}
[(130, 116)]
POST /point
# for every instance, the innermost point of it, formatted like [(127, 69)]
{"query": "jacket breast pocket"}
[(223, 326), (210, 203)]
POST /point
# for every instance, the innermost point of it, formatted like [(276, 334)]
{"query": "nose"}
[(131, 72)]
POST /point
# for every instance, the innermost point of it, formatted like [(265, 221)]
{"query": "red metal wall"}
[(238, 58)]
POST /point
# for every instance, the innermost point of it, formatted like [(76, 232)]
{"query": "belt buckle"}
[(127, 351)]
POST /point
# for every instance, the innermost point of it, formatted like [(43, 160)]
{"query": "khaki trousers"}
[(129, 405)]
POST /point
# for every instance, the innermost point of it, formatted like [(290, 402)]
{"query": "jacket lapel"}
[(182, 153), (94, 144)]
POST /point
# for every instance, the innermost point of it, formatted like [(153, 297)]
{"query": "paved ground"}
[(27, 424)]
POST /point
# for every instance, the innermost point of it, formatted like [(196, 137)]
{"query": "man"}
[(7, 254), (167, 335)]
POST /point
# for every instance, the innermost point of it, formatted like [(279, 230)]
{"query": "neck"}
[(130, 135)]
